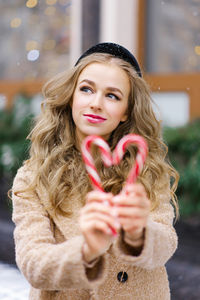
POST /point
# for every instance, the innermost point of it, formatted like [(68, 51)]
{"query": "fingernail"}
[(106, 203)]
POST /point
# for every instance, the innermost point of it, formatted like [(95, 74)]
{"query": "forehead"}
[(105, 72)]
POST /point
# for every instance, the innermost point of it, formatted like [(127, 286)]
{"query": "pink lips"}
[(94, 118)]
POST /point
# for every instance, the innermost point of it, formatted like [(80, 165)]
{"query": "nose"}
[(96, 102)]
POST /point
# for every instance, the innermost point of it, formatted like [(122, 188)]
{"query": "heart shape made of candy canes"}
[(114, 158)]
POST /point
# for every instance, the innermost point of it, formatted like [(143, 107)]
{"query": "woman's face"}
[(100, 100)]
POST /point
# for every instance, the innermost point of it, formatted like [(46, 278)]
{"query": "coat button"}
[(122, 276)]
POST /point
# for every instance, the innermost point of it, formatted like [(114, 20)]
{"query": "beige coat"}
[(48, 253)]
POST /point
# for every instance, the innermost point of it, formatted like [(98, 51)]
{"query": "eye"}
[(113, 96), (86, 89)]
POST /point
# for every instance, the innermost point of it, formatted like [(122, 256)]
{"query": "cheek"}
[(75, 107), (76, 103), (79, 101), (118, 112)]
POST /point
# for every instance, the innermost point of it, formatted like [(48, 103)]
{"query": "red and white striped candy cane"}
[(88, 159), (110, 159), (115, 159), (89, 162), (140, 157)]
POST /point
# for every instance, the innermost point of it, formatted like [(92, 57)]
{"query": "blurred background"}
[(41, 38)]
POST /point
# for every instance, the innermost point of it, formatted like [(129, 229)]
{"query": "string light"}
[(31, 3), (33, 55), (16, 22), (51, 2), (197, 50), (31, 45), (50, 11), (192, 61), (49, 44)]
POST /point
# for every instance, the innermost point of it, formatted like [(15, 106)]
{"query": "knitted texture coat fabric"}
[(49, 253)]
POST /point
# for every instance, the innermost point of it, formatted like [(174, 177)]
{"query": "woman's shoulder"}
[(23, 174)]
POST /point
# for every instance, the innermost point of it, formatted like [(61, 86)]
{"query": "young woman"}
[(64, 242)]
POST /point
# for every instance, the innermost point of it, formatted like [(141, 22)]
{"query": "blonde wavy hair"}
[(55, 159)]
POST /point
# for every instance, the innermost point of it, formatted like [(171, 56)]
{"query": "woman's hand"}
[(132, 209), (96, 221)]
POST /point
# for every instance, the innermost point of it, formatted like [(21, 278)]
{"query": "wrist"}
[(88, 256)]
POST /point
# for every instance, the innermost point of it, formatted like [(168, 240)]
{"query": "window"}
[(39, 32), (172, 36)]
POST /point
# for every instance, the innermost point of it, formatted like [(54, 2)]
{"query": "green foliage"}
[(184, 154), (14, 128)]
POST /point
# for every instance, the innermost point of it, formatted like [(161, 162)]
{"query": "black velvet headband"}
[(115, 50)]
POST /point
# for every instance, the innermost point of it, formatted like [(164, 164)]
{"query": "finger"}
[(95, 225), (131, 200), (98, 196), (98, 207), (136, 188), (110, 221), (131, 212)]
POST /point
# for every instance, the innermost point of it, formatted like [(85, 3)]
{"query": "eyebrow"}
[(112, 89)]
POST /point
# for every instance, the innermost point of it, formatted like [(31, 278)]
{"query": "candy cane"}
[(114, 159), (110, 159), (140, 157), (88, 159), (89, 162)]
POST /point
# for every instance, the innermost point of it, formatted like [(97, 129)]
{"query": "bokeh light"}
[(50, 11), (197, 50), (31, 3), (32, 45), (16, 22), (49, 44), (33, 55), (37, 31), (192, 60), (51, 2)]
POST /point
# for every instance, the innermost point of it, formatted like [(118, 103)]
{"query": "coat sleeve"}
[(44, 263), (160, 238)]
